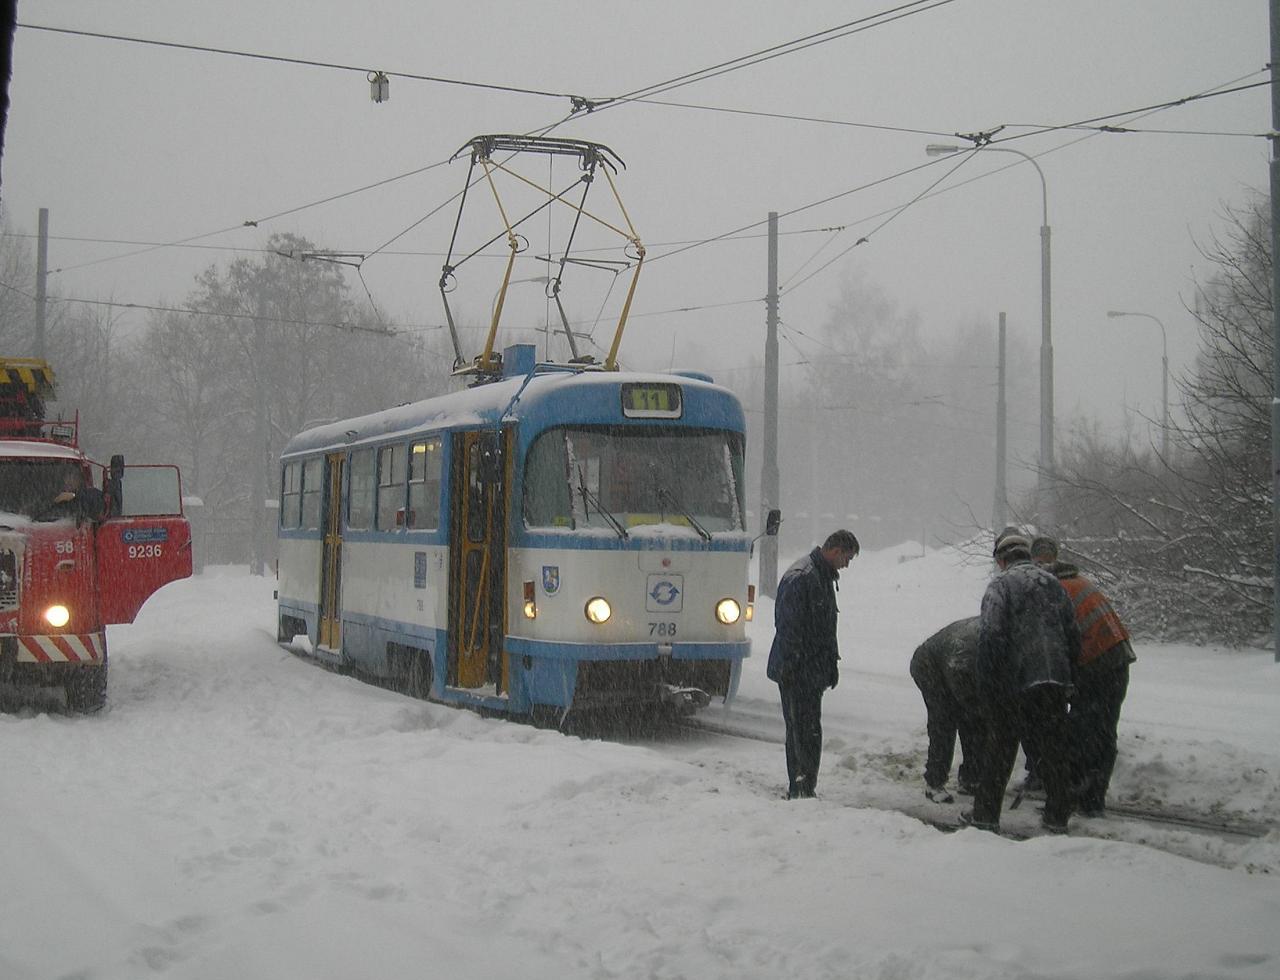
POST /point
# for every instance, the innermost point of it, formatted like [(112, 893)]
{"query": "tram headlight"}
[(530, 603), (728, 611), (598, 609), (57, 616)]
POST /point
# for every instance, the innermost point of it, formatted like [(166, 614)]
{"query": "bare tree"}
[(1186, 542)]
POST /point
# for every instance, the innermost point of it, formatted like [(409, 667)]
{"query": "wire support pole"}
[(1164, 376), (769, 480), (1275, 326), (1044, 483)]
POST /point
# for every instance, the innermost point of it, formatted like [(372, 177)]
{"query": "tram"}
[(558, 538)]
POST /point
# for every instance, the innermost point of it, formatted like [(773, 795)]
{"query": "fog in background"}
[(888, 352)]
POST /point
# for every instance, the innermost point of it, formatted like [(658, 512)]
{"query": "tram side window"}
[(425, 468), (546, 482), (290, 495), (360, 490), (312, 493), (391, 476)]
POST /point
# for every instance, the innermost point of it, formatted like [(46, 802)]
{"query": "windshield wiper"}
[(665, 497), (588, 496)]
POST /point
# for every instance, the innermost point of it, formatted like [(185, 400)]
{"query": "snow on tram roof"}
[(485, 404)]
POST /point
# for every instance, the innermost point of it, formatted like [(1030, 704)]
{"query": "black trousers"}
[(1092, 724), (802, 712), (1038, 717), (946, 719)]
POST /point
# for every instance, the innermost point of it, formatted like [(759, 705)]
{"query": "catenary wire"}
[(305, 62), (776, 51)]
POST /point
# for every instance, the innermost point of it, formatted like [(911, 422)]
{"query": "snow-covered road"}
[(240, 812)]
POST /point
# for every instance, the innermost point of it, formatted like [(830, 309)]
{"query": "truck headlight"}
[(57, 616), (728, 611), (598, 609)]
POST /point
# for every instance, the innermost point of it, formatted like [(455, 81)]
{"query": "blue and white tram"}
[(555, 539)]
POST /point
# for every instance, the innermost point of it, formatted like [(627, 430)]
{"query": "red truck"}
[(82, 545)]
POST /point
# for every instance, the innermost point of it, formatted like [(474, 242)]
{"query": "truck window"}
[(150, 491), (27, 487)]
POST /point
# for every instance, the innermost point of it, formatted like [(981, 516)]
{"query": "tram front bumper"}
[(686, 675)]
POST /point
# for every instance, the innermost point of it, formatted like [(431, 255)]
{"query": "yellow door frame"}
[(330, 626), (478, 567)]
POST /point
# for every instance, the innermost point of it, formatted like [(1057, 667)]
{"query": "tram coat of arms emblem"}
[(550, 579)]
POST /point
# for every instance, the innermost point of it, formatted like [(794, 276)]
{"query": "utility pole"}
[(1047, 515), (769, 464), (257, 505), (1275, 327), (999, 516), (42, 276)]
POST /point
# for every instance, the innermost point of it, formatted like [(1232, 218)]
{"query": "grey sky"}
[(122, 141)]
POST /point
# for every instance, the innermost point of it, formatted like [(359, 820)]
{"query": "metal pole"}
[(999, 513), (1046, 508), (1044, 483), (42, 277), (1164, 395), (1275, 327), (257, 523), (769, 492), (1164, 375)]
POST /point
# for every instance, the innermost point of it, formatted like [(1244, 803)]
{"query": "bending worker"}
[(943, 669)]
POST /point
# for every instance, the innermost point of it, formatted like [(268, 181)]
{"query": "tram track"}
[(1123, 821)]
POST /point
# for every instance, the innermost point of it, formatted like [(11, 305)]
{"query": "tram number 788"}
[(662, 629)]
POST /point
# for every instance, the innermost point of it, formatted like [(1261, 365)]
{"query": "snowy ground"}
[(240, 813)]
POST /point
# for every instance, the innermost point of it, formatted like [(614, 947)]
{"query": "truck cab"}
[(82, 546)]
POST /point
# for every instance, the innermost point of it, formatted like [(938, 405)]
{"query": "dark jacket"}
[(946, 664), (1027, 634), (805, 651)]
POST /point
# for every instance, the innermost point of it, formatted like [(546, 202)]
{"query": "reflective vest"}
[(1100, 627)]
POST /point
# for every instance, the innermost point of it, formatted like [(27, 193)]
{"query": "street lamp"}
[(1044, 507), (1164, 380)]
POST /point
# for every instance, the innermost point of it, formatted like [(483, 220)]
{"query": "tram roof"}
[(551, 398)]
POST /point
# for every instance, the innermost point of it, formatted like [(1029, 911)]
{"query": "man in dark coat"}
[(1102, 680), (943, 669), (804, 658), (1027, 643), (77, 499)]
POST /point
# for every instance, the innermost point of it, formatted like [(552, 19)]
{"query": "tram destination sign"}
[(651, 400)]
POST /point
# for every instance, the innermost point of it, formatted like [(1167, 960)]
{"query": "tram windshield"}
[(593, 477)]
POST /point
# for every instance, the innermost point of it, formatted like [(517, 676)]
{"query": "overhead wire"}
[(640, 95), (253, 317), (788, 47), (306, 62), (896, 212), (791, 117), (1213, 93), (1222, 88), (878, 19)]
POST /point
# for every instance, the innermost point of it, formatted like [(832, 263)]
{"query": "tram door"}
[(477, 579), (331, 557)]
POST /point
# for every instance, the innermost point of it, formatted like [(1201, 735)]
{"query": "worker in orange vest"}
[(1101, 681)]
